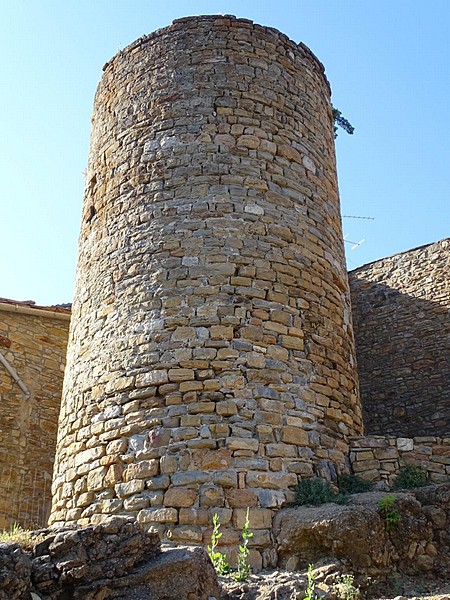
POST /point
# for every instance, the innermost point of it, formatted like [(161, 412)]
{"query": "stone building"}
[(211, 356), (33, 341), (401, 317), (211, 361)]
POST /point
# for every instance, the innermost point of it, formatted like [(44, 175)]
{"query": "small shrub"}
[(345, 588), (389, 512), (410, 476), (316, 491), (352, 484)]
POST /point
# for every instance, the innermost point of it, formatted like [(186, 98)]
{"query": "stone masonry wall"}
[(33, 340), (211, 357), (379, 458), (402, 328)]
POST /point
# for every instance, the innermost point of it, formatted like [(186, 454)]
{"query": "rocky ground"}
[(286, 585)]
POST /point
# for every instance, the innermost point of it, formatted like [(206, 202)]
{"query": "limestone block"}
[(131, 487), (236, 498), (180, 497), (405, 444), (260, 479), (181, 374), (235, 443), (191, 478), (150, 378), (186, 534), (259, 518), (158, 515), (294, 435)]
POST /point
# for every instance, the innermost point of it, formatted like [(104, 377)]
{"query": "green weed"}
[(316, 491), (410, 476), (349, 483), (345, 588), (243, 568), (390, 514), (310, 588), (218, 559)]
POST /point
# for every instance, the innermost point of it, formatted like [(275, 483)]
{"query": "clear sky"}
[(389, 67)]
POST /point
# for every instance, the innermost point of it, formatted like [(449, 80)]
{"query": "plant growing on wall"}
[(352, 484), (410, 476), (389, 512), (316, 491), (340, 121)]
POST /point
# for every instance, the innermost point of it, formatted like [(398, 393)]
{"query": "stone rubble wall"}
[(401, 319), (379, 458), (211, 358), (35, 346)]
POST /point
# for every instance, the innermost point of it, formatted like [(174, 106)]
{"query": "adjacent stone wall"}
[(401, 317), (33, 341), (211, 354), (379, 458)]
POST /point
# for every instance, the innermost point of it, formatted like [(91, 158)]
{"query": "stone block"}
[(241, 498), (131, 487), (237, 443), (191, 478), (180, 497), (214, 460), (141, 470), (194, 516), (150, 378), (259, 518), (294, 435), (185, 534), (260, 479), (226, 479), (181, 374), (158, 515), (405, 444)]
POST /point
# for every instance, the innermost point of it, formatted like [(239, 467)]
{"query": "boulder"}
[(116, 559), (358, 534)]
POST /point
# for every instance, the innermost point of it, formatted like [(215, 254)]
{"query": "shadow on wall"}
[(403, 354)]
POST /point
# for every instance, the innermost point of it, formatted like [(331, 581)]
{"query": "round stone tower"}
[(211, 360)]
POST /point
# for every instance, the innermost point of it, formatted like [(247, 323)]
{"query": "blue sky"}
[(389, 67)]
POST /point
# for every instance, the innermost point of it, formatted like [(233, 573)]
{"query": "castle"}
[(212, 360)]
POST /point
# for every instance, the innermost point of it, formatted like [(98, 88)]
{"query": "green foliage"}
[(345, 588), (243, 568), (340, 121), (16, 535), (410, 476), (316, 491), (390, 514), (352, 484), (310, 588), (218, 559)]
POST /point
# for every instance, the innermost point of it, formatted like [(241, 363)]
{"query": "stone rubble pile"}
[(114, 560)]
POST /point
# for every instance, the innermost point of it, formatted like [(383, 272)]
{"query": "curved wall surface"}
[(211, 360)]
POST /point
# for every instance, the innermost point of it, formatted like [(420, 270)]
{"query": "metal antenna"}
[(355, 244)]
